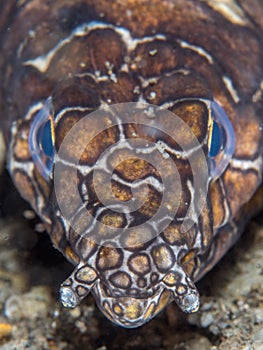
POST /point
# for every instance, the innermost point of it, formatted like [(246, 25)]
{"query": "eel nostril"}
[(184, 291), (68, 298), (77, 286), (191, 303)]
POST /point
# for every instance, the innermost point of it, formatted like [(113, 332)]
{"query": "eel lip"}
[(130, 312)]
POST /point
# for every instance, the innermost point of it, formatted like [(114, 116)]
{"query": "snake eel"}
[(134, 130)]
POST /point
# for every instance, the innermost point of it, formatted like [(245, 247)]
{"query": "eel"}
[(134, 130)]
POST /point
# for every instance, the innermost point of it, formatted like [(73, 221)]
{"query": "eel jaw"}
[(128, 311)]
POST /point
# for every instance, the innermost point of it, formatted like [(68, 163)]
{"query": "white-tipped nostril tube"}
[(184, 290), (77, 286)]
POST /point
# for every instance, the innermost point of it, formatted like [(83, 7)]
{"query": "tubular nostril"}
[(184, 291), (190, 303), (77, 286), (68, 298)]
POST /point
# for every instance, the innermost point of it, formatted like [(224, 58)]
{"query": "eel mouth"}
[(131, 312)]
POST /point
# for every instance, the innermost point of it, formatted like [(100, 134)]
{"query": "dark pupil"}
[(218, 140), (45, 139)]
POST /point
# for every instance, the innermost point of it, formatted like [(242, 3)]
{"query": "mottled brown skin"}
[(132, 285)]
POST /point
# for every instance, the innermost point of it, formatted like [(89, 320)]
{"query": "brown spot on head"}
[(81, 291), (137, 237), (191, 112), (109, 224), (129, 167), (141, 282), (171, 279), (163, 257), (120, 279), (180, 289), (112, 219), (139, 264), (109, 257), (154, 58), (174, 235), (117, 309), (86, 274)]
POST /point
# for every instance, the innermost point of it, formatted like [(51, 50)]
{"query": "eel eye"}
[(42, 139), (221, 142)]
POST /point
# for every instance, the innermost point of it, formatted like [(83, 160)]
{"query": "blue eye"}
[(221, 143), (41, 140)]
